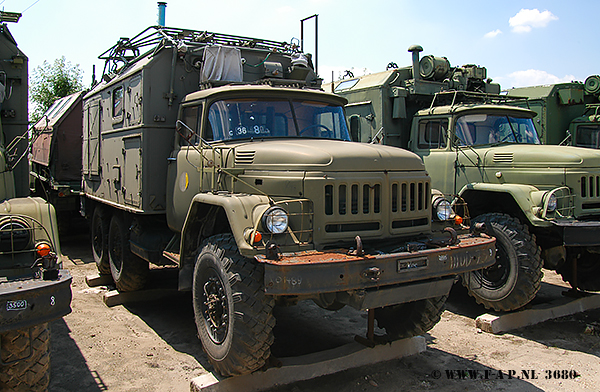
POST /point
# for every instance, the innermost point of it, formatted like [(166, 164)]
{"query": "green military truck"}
[(541, 202), (567, 113), (34, 289), (220, 154)]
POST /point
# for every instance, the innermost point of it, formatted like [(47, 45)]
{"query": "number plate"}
[(20, 304), (407, 265)]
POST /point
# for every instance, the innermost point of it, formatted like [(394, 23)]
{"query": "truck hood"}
[(320, 154), (527, 155)]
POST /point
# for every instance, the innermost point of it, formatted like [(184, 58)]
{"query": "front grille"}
[(353, 199), (590, 187)]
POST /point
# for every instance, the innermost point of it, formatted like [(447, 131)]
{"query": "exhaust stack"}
[(162, 6), (415, 49)]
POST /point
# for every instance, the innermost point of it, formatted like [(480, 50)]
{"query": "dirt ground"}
[(152, 346)]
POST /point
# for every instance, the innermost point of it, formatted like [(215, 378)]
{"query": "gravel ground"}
[(152, 346)]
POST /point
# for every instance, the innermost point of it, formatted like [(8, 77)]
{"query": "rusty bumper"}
[(313, 272)]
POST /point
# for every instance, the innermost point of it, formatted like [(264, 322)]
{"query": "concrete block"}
[(98, 280), (114, 297), (497, 323), (310, 366)]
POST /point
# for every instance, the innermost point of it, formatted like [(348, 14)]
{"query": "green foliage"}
[(50, 82)]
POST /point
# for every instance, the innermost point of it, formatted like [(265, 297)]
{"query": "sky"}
[(521, 43)]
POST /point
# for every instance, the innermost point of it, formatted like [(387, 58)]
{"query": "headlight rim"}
[(437, 202), (268, 225)]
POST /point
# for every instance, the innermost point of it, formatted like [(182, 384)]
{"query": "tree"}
[(50, 82)]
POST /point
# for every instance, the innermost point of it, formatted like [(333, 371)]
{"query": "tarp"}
[(222, 63)]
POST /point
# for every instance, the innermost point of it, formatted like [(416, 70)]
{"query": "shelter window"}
[(117, 99)]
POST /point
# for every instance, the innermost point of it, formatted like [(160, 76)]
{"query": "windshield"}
[(478, 129), (253, 118), (588, 136)]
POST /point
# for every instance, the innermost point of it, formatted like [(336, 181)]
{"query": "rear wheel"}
[(99, 234), (25, 359), (411, 318), (128, 270), (515, 278), (233, 315)]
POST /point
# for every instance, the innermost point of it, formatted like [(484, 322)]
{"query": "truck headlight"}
[(552, 202), (275, 220), (443, 209)]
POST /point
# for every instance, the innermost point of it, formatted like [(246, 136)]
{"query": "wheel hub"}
[(496, 275), (215, 309)]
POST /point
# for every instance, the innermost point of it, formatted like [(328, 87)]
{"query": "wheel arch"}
[(512, 199), (211, 214)]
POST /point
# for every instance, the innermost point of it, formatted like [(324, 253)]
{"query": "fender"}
[(521, 194), (41, 211), (241, 210)]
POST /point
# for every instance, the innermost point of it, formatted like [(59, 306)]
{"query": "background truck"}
[(56, 158), (221, 155), (567, 113), (541, 202), (34, 289)]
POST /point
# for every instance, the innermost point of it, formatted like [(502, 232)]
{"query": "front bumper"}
[(313, 272), (28, 302)]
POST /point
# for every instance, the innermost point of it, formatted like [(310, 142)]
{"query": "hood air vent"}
[(503, 157), (244, 157)]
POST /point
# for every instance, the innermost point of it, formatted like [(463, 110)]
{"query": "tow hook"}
[(359, 248), (371, 273), (479, 228)]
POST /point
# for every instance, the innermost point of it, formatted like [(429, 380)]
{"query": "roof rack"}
[(452, 98), (128, 50), (9, 16)]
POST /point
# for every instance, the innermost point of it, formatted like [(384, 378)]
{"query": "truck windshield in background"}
[(588, 135), (266, 118), (480, 129)]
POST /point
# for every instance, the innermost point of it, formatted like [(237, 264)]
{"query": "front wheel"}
[(411, 318), (515, 278), (25, 359), (233, 315)]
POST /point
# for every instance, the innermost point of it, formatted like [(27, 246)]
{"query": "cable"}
[(36, 1)]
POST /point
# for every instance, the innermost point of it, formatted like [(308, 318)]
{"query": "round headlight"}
[(443, 209), (552, 202), (275, 220)]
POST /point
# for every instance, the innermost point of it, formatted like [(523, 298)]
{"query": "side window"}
[(188, 134), (432, 133), (117, 103)]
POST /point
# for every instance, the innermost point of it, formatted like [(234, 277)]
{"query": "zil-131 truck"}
[(34, 288), (567, 113), (221, 155), (541, 202)]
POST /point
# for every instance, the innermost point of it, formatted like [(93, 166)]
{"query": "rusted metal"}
[(333, 271), (359, 247)]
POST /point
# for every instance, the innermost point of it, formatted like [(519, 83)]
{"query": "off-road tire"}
[(99, 234), (411, 318), (588, 272), (242, 314), (128, 270), (515, 278), (25, 355)]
